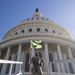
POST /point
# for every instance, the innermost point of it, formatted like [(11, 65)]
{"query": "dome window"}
[(22, 31), (53, 31), (32, 18), (38, 29), (27, 19), (37, 18), (47, 19), (16, 33), (50, 57), (42, 18), (46, 30), (30, 30), (60, 33)]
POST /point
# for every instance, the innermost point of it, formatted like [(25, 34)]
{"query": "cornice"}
[(45, 36)]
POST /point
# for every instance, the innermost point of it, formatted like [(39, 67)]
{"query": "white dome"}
[(46, 27), (37, 26)]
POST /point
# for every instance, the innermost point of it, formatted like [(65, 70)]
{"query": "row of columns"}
[(60, 58), (4, 67), (57, 54), (61, 66)]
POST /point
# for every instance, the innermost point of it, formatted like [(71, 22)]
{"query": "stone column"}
[(32, 54), (57, 66), (0, 58), (43, 56), (18, 58), (66, 64), (71, 57), (23, 60), (0, 54), (4, 67), (70, 54), (13, 59), (60, 58), (46, 56)]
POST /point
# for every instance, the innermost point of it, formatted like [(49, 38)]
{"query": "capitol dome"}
[(57, 44), (37, 24)]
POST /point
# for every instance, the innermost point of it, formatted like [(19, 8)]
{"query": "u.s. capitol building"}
[(58, 47)]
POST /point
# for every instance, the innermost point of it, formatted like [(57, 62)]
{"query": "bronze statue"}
[(38, 64), (37, 10)]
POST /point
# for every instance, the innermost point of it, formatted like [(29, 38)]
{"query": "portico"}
[(52, 52)]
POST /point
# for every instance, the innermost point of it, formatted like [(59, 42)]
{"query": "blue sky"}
[(13, 12)]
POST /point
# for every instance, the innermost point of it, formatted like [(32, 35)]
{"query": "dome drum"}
[(44, 28)]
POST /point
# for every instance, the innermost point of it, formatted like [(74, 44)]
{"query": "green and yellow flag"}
[(35, 44)]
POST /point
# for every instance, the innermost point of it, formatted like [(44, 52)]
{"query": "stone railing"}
[(62, 67), (11, 65)]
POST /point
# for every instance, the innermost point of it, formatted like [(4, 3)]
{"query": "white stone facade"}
[(56, 41)]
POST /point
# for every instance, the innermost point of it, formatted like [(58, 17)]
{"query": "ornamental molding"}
[(35, 23), (45, 36)]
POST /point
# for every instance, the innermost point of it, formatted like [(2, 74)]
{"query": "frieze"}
[(46, 36), (35, 23)]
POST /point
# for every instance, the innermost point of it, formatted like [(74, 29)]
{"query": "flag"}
[(35, 44)]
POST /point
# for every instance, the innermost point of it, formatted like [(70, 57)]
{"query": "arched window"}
[(38, 29), (26, 63), (46, 30), (42, 18), (30, 30), (16, 33), (51, 59), (22, 31), (53, 31), (32, 18), (27, 19)]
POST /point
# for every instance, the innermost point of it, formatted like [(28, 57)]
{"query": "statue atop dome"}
[(37, 10), (36, 13)]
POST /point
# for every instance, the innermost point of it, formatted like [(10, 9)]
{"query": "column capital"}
[(58, 44), (46, 42), (20, 44), (46, 55), (8, 46)]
